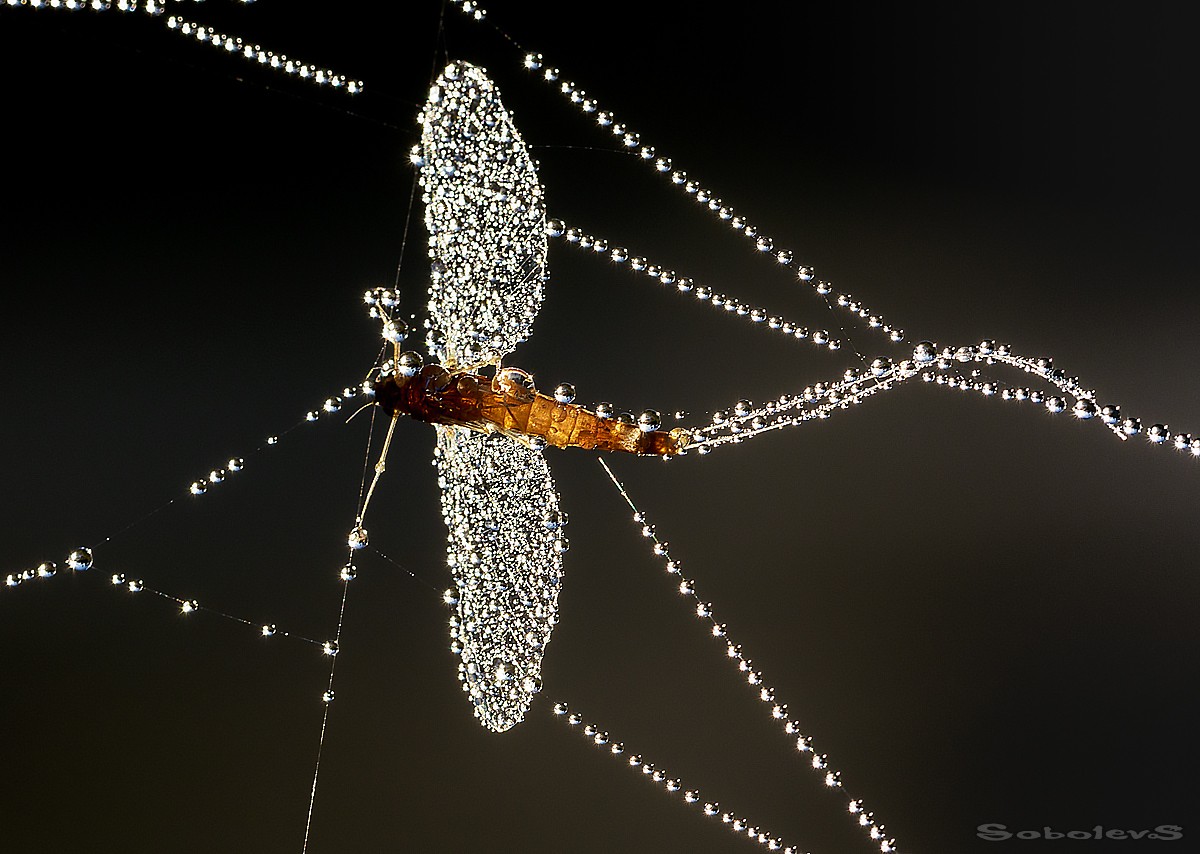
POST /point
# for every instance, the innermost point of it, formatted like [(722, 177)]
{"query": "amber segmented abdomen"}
[(468, 400), (568, 425)]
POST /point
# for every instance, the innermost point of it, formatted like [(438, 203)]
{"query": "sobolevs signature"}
[(995, 832)]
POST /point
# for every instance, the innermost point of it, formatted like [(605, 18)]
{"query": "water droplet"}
[(409, 363), (925, 352), (395, 331), (357, 538), (649, 420), (80, 559)]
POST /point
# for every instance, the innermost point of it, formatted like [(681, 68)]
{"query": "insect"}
[(196, 246)]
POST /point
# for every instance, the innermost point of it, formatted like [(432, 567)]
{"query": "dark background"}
[(981, 612)]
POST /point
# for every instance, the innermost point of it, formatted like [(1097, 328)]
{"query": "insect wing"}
[(505, 545), (486, 218)]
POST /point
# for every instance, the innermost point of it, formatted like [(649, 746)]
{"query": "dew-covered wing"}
[(486, 219), (505, 545)]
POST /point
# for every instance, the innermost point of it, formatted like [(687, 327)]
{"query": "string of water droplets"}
[(819, 401), (882, 375), (83, 558), (686, 284), (226, 43), (707, 198), (753, 676), (671, 784), (150, 7)]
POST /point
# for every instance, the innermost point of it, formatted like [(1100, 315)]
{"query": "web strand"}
[(671, 784), (778, 710)]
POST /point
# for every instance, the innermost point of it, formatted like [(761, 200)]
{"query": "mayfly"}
[(956, 604), (487, 238)]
